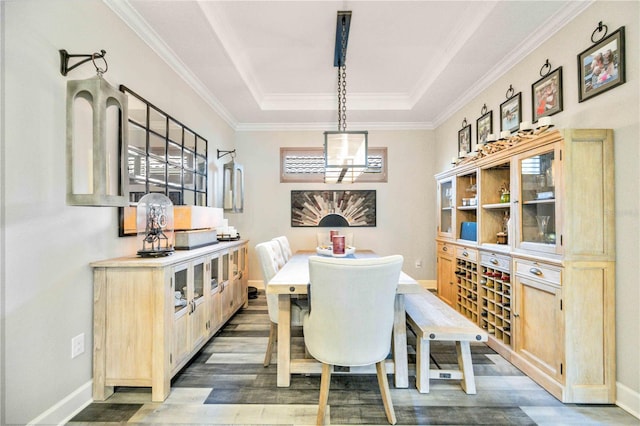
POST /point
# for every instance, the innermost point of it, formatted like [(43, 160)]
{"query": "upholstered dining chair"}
[(350, 318), (285, 247), (277, 253), (268, 259)]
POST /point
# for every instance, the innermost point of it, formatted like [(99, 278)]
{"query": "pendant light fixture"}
[(345, 152)]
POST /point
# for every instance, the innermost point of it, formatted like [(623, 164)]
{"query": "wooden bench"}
[(432, 319)]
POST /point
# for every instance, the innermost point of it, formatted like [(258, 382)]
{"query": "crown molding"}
[(554, 24), (132, 18), (299, 127)]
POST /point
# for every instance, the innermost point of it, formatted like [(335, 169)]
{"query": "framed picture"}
[(601, 67), (511, 113), (484, 126), (333, 208), (546, 95), (464, 140)]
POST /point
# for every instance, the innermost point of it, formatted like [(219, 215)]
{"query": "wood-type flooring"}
[(226, 384)]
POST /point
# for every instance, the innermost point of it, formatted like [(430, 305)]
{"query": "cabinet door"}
[(215, 308), (538, 225), (446, 208), (199, 307), (539, 325), (446, 280), (181, 308)]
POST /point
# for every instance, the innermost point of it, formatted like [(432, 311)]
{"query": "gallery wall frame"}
[(464, 139), (601, 67), (484, 126), (546, 93), (333, 208), (511, 112)]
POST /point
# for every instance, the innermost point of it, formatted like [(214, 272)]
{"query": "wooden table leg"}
[(400, 344), (284, 340)]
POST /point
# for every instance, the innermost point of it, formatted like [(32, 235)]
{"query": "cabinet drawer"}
[(467, 254), (446, 249), (497, 261), (539, 271)]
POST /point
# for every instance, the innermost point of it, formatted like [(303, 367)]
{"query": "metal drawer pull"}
[(465, 253), (535, 271), (494, 261), (444, 248)]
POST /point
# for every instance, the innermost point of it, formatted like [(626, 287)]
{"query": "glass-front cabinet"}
[(446, 206), (467, 207), (526, 250), (538, 207)]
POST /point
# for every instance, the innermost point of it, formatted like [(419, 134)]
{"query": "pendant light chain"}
[(342, 82)]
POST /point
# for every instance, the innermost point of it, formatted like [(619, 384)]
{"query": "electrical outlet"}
[(419, 263), (77, 345)]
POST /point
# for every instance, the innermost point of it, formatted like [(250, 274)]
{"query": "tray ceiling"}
[(410, 64)]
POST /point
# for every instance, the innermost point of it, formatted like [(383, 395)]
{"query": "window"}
[(163, 156), (307, 165)]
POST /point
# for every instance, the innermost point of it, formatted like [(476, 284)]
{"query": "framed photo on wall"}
[(602, 66), (464, 140), (511, 113), (484, 126), (546, 95)]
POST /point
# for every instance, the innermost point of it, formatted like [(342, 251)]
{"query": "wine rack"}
[(496, 297), (467, 284)]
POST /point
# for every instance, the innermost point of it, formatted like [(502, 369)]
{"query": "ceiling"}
[(268, 65)]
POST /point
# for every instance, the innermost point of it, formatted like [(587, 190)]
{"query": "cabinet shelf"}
[(496, 206), (545, 201), (467, 207)]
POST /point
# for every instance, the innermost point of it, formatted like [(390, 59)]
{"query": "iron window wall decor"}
[(546, 93), (601, 67), (511, 111), (332, 208), (464, 139)]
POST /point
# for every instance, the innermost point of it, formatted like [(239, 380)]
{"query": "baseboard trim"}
[(63, 411), (628, 400)]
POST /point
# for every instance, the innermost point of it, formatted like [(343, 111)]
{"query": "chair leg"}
[(273, 337), (386, 394), (325, 381)]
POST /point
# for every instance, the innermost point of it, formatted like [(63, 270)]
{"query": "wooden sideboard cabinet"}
[(539, 217), (151, 315)]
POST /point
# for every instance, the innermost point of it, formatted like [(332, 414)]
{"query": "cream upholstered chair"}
[(350, 317), (268, 259), (285, 247), (277, 253)]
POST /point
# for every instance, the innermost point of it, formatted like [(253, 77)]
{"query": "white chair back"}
[(269, 266), (285, 247), (277, 253), (351, 309)]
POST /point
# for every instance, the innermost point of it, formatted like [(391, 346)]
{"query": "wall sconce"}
[(232, 184), (96, 142)]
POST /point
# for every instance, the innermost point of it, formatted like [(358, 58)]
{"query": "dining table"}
[(292, 281)]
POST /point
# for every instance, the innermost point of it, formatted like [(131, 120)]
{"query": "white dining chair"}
[(268, 260), (350, 318), (285, 247), (277, 253)]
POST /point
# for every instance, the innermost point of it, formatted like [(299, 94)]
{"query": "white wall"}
[(49, 245), (405, 214), (617, 109)]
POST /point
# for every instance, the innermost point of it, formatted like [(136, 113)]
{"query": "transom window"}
[(307, 165)]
